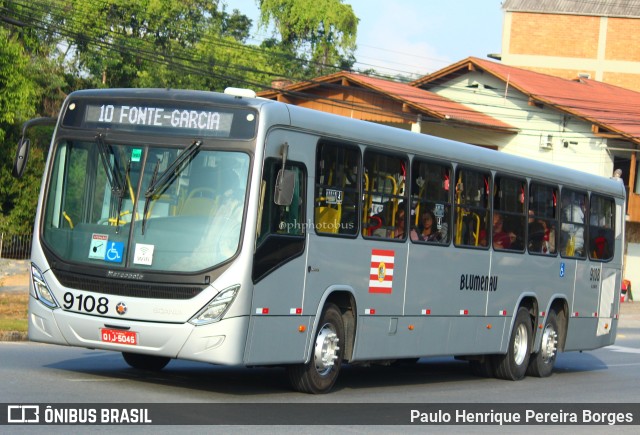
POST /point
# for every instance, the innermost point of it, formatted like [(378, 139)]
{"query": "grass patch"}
[(13, 311)]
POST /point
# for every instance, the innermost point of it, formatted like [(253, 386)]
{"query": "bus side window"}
[(336, 189), (280, 229), (430, 220), (601, 228), (384, 194), (509, 214), (280, 219), (472, 190), (572, 227), (543, 220)]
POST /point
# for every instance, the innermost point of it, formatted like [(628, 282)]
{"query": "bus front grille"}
[(118, 287)]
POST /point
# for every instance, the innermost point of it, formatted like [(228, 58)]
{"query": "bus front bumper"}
[(217, 343)]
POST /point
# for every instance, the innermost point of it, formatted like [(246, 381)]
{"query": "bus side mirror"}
[(22, 155), (285, 182)]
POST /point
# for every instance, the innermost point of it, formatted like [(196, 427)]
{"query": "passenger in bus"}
[(399, 231), (501, 238), (601, 246), (541, 236), (428, 231), (572, 232)]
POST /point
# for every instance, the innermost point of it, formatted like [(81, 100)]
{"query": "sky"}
[(416, 36)]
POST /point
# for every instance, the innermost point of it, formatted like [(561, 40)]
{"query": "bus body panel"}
[(278, 339), (582, 333), (42, 324), (446, 281), (384, 337), (222, 342)]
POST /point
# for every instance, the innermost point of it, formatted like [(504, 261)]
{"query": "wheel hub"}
[(520, 344), (549, 344), (326, 349)]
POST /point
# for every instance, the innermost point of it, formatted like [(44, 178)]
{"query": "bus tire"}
[(542, 362), (319, 375), (513, 365), (145, 362)]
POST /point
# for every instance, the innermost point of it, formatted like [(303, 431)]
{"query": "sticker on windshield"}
[(98, 246), (114, 252), (143, 254)]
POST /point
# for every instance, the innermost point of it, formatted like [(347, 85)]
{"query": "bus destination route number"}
[(163, 117), (119, 337)]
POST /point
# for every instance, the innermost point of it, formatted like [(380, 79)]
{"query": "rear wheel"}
[(542, 362), (513, 365), (145, 362), (320, 373)]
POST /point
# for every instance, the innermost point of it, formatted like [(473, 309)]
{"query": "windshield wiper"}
[(147, 198), (158, 183), (113, 174)]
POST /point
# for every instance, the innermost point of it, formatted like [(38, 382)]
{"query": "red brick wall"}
[(570, 74), (623, 39), (629, 81), (554, 35)]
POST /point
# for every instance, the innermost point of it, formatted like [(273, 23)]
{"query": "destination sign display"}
[(200, 121)]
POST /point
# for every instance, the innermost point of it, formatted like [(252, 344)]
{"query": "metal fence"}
[(15, 246)]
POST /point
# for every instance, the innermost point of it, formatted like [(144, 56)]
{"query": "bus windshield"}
[(97, 212)]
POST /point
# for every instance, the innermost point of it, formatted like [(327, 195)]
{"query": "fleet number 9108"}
[(86, 303)]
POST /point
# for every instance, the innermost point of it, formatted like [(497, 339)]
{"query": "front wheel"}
[(542, 362), (513, 365), (319, 375), (145, 362)]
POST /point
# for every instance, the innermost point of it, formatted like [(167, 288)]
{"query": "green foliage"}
[(325, 28), (151, 43), (18, 100), (17, 89)]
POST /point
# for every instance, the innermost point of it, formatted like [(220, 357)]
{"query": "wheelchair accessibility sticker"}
[(561, 270), (114, 252)]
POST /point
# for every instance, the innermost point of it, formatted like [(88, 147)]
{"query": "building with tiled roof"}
[(390, 103), (583, 124), (566, 38)]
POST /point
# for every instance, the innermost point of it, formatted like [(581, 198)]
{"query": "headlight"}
[(41, 288), (219, 305)]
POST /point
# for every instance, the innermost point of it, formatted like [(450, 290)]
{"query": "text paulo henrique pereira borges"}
[(529, 416)]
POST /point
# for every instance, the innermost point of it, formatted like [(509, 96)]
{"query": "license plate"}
[(118, 336)]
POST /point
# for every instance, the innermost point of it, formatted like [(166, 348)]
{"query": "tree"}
[(19, 96), (325, 28), (148, 43)]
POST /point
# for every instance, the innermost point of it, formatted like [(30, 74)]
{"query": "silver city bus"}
[(235, 230)]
